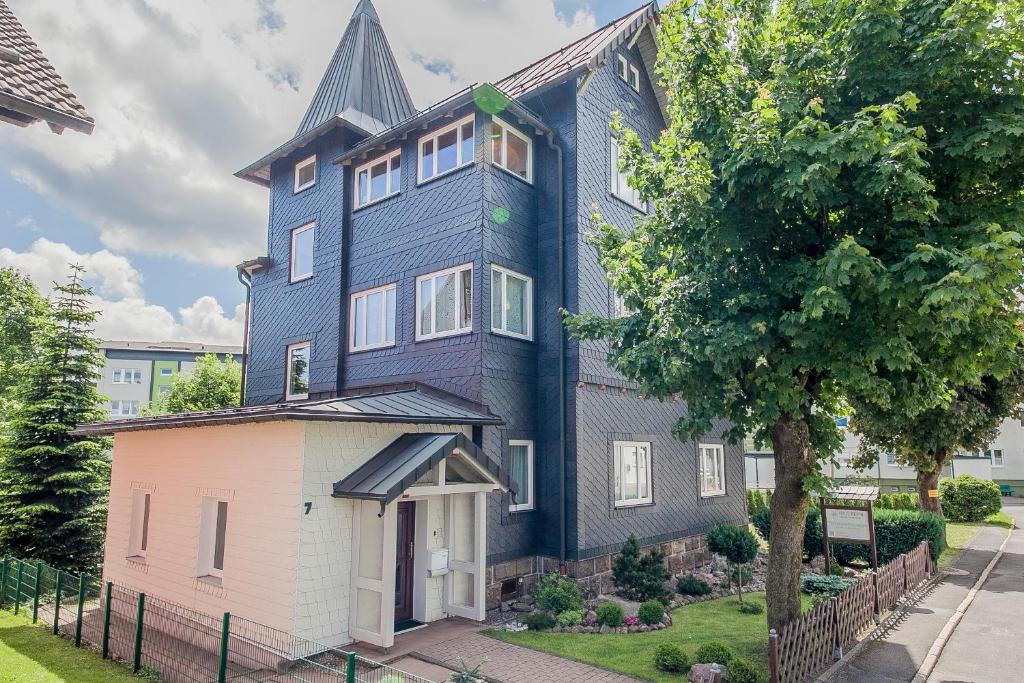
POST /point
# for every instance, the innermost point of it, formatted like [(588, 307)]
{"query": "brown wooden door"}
[(404, 560)]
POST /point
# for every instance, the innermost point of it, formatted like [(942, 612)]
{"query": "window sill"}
[(623, 200), (211, 580), (297, 397), (705, 496), (633, 506), (512, 335), (375, 202), (297, 280), (136, 559), (425, 181), (300, 190), (516, 511), (367, 349), (527, 181), (446, 335)]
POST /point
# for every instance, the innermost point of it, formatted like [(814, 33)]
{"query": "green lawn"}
[(959, 534), (32, 654), (633, 654)]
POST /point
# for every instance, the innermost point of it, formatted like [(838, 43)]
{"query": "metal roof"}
[(388, 474), (851, 493), (30, 88), (414, 405), (187, 347)]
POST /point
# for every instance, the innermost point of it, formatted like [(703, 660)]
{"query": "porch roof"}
[(387, 475)]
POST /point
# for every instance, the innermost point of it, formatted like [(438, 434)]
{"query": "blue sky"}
[(184, 95)]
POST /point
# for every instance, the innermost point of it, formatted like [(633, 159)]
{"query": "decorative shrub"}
[(814, 584), (739, 546), (691, 585), (539, 620), (898, 501), (740, 670), (570, 617), (968, 499), (897, 532), (714, 653), (671, 659), (651, 612), (640, 577), (610, 614), (751, 608), (762, 521), (558, 594)]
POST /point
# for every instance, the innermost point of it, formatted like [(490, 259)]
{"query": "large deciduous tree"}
[(22, 311), (836, 198), (211, 384)]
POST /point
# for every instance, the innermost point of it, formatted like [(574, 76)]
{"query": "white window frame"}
[(505, 273), (292, 277), (138, 535), (629, 194), (505, 130), (126, 376), (209, 516), (116, 409), (617, 447), (1002, 457), (530, 460), (433, 136), (360, 202), (166, 372), (890, 459), (298, 167), (420, 336), (719, 451), (288, 370), (629, 73), (620, 309), (384, 318)]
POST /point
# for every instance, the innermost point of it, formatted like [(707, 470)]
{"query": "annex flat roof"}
[(388, 474), (413, 405)]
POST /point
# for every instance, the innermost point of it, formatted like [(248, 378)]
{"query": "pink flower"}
[(632, 620)]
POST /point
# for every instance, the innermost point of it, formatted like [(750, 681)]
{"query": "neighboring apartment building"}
[(1002, 462), (136, 373), (420, 436)]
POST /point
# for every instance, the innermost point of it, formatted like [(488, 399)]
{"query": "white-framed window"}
[(620, 186), (166, 372), (447, 149), (712, 470), (119, 408), (521, 472), (511, 303), (372, 318), (632, 462), (138, 535), (305, 174), (619, 307), (444, 302), (890, 458), (996, 457), (378, 179), (165, 389), (297, 381), (213, 522), (629, 73), (301, 262), (127, 376), (511, 150)]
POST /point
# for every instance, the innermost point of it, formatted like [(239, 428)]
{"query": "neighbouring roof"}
[(387, 475), (413, 405), (186, 347), (852, 493), (30, 88)]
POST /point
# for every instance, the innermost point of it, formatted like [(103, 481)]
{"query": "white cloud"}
[(186, 93), (124, 311)]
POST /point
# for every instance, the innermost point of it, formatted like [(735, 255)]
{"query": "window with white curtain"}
[(712, 470), (511, 303), (378, 179), (444, 303), (521, 473), (373, 318), (620, 186), (632, 463)]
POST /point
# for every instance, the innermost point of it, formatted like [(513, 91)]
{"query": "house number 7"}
[(308, 506)]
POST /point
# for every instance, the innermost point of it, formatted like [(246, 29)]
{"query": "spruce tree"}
[(52, 482)]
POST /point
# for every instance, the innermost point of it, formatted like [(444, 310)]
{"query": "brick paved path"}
[(510, 663)]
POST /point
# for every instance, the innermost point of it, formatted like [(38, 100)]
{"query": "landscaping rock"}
[(629, 607), (645, 628), (506, 607), (522, 607), (667, 619), (701, 672), (607, 629)]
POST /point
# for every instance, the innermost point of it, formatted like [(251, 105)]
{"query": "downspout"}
[(246, 279)]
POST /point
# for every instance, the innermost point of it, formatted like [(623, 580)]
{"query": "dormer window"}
[(447, 149), (379, 179), (629, 73), (305, 174), (512, 150)]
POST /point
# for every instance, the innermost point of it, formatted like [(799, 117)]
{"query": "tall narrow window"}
[(212, 537), (138, 538), (712, 470), (447, 149), (620, 186), (305, 174), (620, 309), (373, 318), (444, 303), (379, 179), (632, 463), (512, 150), (629, 73), (521, 472), (997, 457), (298, 372), (302, 252), (511, 303)]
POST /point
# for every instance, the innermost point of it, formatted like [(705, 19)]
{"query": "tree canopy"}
[(22, 312), (210, 385), (836, 199)]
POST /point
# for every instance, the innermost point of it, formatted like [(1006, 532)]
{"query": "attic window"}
[(378, 179), (305, 174), (629, 73), (447, 149)]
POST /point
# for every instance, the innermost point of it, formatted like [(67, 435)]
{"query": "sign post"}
[(847, 517)]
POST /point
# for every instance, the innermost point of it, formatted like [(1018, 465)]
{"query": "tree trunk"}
[(928, 480), (739, 581), (794, 460)]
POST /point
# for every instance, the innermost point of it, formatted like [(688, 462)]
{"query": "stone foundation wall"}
[(593, 575)]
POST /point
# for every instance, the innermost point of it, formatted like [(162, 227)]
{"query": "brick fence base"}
[(510, 580)]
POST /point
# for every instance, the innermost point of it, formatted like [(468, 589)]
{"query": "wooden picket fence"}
[(805, 647)]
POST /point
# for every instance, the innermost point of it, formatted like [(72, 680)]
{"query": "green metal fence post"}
[(81, 606), (137, 662), (3, 582), (106, 620), (225, 633), (17, 587), (35, 595), (56, 603), (350, 668)]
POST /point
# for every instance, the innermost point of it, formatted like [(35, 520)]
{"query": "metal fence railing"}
[(180, 644)]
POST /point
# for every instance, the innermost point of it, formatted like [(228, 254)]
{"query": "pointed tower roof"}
[(362, 84)]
